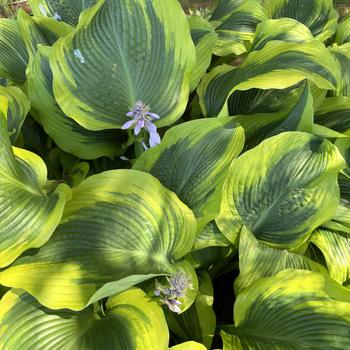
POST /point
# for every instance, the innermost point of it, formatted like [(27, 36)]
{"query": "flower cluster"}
[(176, 288), (142, 118)]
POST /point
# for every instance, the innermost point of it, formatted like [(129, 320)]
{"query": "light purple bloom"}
[(56, 16), (43, 10), (177, 287), (79, 56), (178, 284), (172, 304), (142, 118)]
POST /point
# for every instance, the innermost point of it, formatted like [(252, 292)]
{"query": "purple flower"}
[(177, 287), (79, 56), (172, 304), (178, 284), (142, 118), (56, 16)]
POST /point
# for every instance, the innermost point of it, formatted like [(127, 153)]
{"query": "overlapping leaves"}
[(34, 209), (118, 224), (282, 190), (155, 69)]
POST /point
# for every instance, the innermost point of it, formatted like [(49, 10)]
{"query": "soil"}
[(13, 8)]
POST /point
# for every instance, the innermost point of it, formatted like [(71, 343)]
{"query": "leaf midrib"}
[(124, 64), (8, 179)]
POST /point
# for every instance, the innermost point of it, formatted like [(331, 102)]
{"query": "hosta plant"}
[(175, 175)]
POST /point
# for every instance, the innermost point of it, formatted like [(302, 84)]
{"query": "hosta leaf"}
[(254, 101), (277, 65), (235, 22), (341, 219), (300, 117), (210, 236), (113, 288), (334, 113), (34, 32), (68, 134), (344, 185), (282, 189), (324, 132), (155, 68), (193, 161), (342, 57), (284, 29), (295, 309), (189, 345), (204, 38), (131, 321), (318, 15), (342, 34), (14, 56), (119, 223), (30, 207), (335, 247), (212, 257), (199, 321), (78, 173), (257, 260), (260, 126), (64, 10), (18, 107)]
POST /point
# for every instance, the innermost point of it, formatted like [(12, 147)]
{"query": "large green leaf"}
[(277, 65), (341, 218), (254, 101), (198, 322), (318, 15), (260, 126), (213, 258), (64, 10), (204, 38), (210, 236), (300, 117), (293, 310), (284, 29), (335, 247), (131, 321), (189, 345), (68, 134), (14, 56), (342, 57), (342, 34), (257, 260), (155, 67), (18, 107), (30, 206), (235, 22), (193, 160), (36, 30), (334, 113), (282, 189), (119, 223)]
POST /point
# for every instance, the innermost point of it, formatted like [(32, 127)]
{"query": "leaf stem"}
[(139, 149)]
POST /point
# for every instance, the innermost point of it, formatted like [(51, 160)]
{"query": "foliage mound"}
[(175, 180)]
